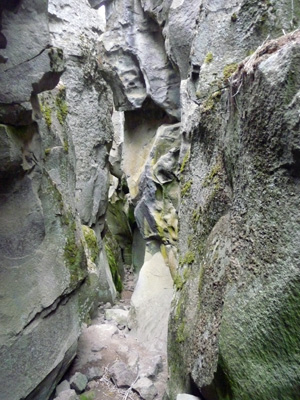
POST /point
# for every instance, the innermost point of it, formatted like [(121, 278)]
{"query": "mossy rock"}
[(91, 241), (113, 253)]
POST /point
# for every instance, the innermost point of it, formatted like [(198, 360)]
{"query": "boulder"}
[(183, 396), (67, 395), (121, 374), (78, 382), (64, 385), (146, 388), (94, 373), (150, 303), (117, 315)]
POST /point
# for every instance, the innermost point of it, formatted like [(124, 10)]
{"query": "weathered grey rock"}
[(44, 293), (117, 315), (87, 95), (122, 375), (138, 250), (150, 367), (94, 373), (156, 210), (146, 388), (144, 69), (230, 312), (154, 287), (184, 396), (67, 395), (107, 290), (64, 385), (78, 382)]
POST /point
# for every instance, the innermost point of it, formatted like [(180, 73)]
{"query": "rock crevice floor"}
[(111, 363)]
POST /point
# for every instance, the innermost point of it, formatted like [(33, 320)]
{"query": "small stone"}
[(78, 382), (94, 373), (145, 388), (151, 366), (67, 395), (106, 306), (96, 348), (64, 385), (121, 375), (117, 315), (184, 396)]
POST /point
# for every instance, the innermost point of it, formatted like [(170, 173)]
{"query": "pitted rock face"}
[(135, 62)]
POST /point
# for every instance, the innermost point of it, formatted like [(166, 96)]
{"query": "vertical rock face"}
[(238, 270), (51, 272), (236, 277)]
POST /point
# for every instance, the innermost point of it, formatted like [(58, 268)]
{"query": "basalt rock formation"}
[(53, 271), (232, 330), (185, 116)]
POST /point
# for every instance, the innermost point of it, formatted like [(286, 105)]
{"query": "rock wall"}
[(51, 272), (205, 187), (238, 260), (236, 275)]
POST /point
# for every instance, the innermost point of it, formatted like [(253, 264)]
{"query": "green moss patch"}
[(208, 58), (61, 106), (87, 396), (185, 190), (74, 255), (184, 161), (91, 241), (188, 258), (47, 113), (229, 70), (113, 265)]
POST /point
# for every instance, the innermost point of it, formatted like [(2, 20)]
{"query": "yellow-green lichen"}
[(47, 151), (229, 70), (61, 106), (178, 282), (196, 216), (181, 337), (66, 146), (212, 177), (208, 104), (74, 255), (188, 258), (208, 58), (186, 274), (184, 161), (47, 114), (88, 396), (113, 265), (186, 188), (234, 17), (91, 241)]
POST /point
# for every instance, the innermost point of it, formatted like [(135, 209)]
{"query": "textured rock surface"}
[(48, 281), (67, 395), (236, 276), (78, 382), (155, 287), (146, 388), (135, 61), (186, 397), (237, 302)]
